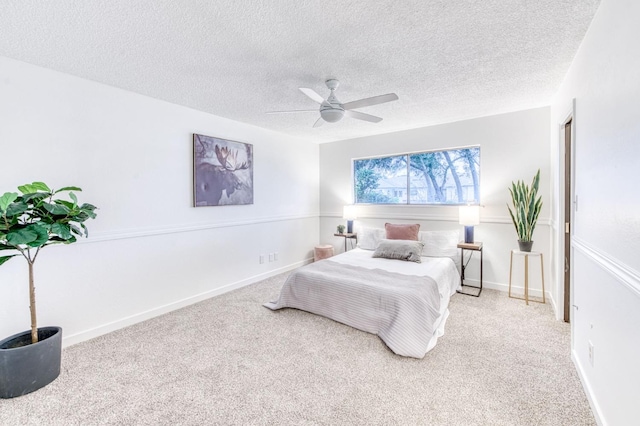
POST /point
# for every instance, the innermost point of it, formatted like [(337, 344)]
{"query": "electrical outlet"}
[(275, 256), (270, 257), (262, 258), (590, 353)]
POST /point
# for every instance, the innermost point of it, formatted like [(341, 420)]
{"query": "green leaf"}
[(88, 211), (535, 183), (41, 186), (35, 197), (61, 230), (6, 199), (67, 204), (56, 209), (76, 230), (86, 230), (512, 217), (58, 240), (16, 209), (30, 188), (22, 236), (80, 216), (3, 259), (74, 198), (42, 233), (87, 206), (69, 188)]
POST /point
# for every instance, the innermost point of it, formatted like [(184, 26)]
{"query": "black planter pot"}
[(525, 246), (26, 367)]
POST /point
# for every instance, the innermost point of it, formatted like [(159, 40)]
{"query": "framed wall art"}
[(222, 172)]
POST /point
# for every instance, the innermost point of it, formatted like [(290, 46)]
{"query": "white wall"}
[(604, 81), (149, 250), (513, 146)]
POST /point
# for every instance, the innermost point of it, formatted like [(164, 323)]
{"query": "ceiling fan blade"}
[(363, 116), (375, 100), (312, 94), (292, 111), (319, 122)]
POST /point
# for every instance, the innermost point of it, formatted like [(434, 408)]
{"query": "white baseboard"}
[(595, 408), (160, 310), (555, 307), (515, 290)]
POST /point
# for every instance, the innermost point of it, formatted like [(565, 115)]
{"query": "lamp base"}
[(349, 227), (468, 234)]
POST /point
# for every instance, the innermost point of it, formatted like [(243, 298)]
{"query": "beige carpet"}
[(228, 360)]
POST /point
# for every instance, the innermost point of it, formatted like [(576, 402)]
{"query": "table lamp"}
[(349, 213), (469, 217)]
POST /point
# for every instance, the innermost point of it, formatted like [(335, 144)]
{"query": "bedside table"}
[(473, 247), (347, 237)]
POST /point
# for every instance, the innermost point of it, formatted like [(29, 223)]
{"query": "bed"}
[(404, 303)]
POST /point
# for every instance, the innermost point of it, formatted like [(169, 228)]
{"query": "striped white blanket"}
[(403, 310)]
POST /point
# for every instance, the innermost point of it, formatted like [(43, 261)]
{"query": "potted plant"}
[(340, 229), (30, 221), (526, 209)]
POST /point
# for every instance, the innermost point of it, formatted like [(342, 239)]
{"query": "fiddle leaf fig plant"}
[(526, 207), (35, 218)]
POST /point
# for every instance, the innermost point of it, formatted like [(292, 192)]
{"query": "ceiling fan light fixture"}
[(332, 115)]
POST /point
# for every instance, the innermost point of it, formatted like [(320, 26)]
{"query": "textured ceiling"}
[(446, 59)]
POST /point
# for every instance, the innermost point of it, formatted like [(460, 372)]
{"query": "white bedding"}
[(422, 296), (438, 268), (442, 269)]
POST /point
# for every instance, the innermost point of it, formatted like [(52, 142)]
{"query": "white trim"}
[(160, 310), (552, 302), (595, 408), (623, 273), (124, 234), (431, 217), (515, 289)]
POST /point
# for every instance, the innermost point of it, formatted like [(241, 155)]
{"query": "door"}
[(567, 220)]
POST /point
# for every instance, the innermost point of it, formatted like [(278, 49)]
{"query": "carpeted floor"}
[(228, 360)]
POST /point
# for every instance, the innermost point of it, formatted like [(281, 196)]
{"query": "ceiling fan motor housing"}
[(331, 110)]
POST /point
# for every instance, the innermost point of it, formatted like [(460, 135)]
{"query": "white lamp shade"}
[(349, 212), (469, 215)]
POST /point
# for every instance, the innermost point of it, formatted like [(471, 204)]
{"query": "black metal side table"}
[(347, 237), (473, 247)]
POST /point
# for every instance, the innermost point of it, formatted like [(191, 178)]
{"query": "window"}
[(433, 177)]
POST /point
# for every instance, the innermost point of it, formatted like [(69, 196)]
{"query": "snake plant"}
[(526, 207)]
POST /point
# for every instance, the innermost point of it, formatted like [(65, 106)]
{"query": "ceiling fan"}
[(332, 110)]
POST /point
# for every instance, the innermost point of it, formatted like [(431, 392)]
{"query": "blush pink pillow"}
[(402, 232)]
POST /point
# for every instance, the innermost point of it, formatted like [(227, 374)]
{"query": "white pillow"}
[(369, 238), (439, 243)]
